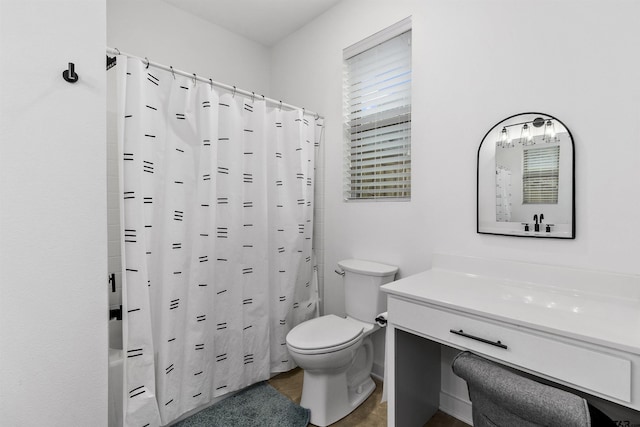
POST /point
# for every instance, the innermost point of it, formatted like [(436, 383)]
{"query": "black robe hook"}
[(111, 62), (70, 75)]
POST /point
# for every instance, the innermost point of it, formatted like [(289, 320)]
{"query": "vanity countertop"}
[(611, 320)]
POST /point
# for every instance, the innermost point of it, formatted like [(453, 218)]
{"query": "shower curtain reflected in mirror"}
[(217, 214)]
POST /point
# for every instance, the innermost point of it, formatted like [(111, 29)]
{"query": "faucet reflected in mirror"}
[(522, 175), (537, 224), (536, 227)]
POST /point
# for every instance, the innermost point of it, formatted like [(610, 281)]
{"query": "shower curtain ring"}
[(253, 97), (317, 116), (117, 50), (233, 95), (211, 82), (147, 67), (172, 72), (280, 106), (194, 79)]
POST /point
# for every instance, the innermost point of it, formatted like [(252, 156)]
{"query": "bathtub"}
[(115, 373)]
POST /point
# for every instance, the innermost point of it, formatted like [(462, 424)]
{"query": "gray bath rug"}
[(259, 405)]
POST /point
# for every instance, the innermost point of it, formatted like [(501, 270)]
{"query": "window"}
[(377, 94), (540, 174)]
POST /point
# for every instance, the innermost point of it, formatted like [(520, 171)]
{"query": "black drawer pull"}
[(461, 333)]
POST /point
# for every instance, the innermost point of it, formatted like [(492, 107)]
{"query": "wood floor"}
[(372, 413)]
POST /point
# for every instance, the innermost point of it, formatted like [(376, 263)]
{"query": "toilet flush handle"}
[(340, 272)]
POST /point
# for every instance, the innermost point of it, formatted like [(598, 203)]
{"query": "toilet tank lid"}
[(369, 268)]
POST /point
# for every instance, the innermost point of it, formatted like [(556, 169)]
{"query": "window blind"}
[(540, 175), (378, 119)]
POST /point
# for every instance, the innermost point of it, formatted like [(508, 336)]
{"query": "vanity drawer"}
[(563, 360)]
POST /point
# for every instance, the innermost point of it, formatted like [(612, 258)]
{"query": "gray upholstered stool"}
[(502, 398)]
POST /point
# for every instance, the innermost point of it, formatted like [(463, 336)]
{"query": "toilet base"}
[(329, 398)]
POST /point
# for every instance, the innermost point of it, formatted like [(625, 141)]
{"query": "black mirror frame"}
[(573, 182)]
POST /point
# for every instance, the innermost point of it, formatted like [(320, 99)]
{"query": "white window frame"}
[(399, 143)]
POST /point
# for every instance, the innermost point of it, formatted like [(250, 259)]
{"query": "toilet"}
[(336, 353)]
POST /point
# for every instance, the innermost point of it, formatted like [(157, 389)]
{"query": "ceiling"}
[(263, 21)]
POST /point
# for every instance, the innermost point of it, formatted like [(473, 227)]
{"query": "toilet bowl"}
[(336, 353), (326, 348)]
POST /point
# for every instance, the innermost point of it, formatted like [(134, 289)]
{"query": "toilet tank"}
[(362, 281)]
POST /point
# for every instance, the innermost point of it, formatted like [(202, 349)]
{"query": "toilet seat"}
[(324, 334)]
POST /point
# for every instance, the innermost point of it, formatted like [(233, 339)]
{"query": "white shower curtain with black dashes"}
[(217, 214)]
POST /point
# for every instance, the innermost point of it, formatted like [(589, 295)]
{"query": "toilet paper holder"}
[(382, 319)]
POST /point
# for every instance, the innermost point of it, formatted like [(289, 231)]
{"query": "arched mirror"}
[(526, 178)]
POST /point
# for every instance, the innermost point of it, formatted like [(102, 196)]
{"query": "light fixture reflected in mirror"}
[(549, 132), (504, 140), (526, 137), (528, 133)]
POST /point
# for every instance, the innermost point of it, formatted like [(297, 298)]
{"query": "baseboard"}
[(456, 407)]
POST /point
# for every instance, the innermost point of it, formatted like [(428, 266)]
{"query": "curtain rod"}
[(233, 89)]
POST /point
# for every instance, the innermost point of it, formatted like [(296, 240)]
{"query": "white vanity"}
[(575, 327)]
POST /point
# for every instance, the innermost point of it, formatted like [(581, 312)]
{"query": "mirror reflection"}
[(525, 178)]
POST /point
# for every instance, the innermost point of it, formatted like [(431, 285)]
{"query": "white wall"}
[(53, 320), (170, 36), (474, 64)]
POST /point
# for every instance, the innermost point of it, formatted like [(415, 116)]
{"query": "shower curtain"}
[(217, 214), (503, 194)]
